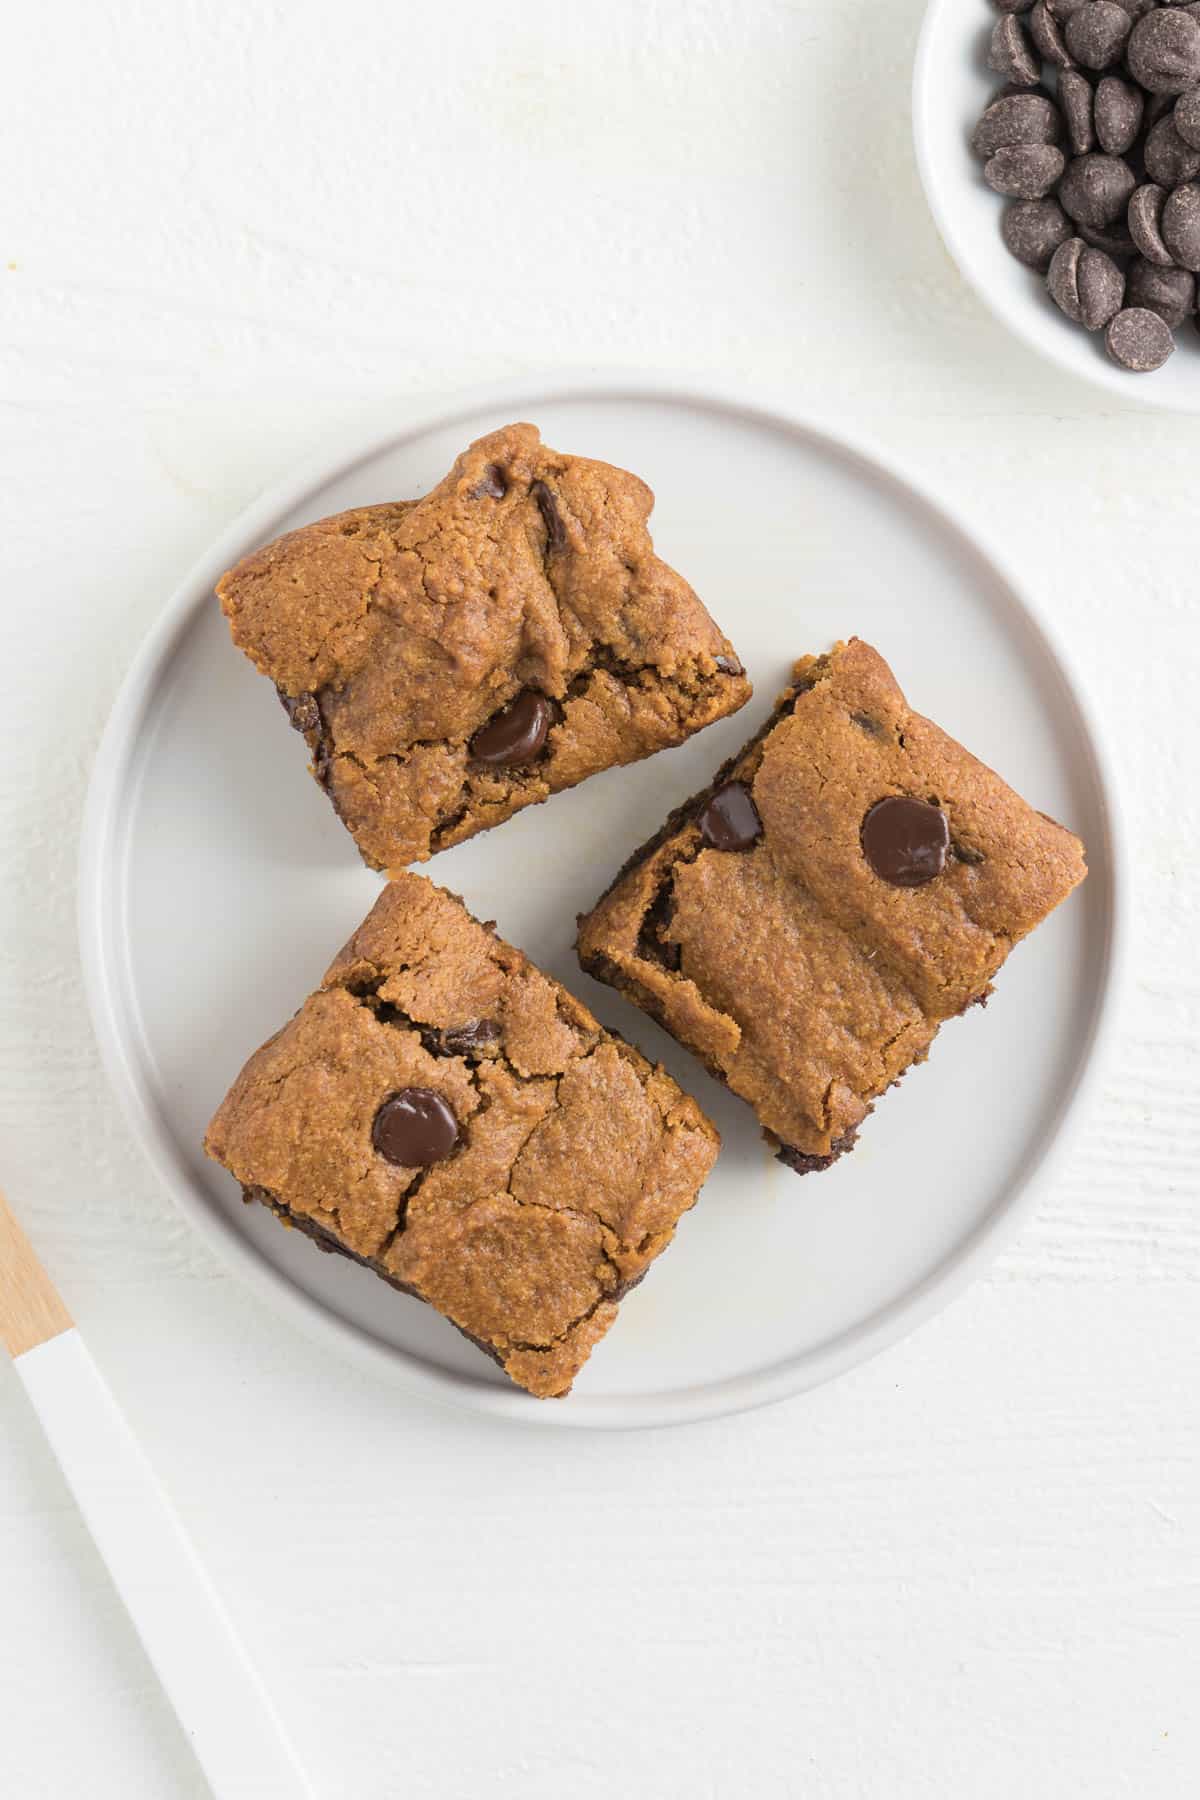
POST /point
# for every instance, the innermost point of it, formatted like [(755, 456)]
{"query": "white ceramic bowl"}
[(951, 87)]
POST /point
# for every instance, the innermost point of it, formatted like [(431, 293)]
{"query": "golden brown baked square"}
[(453, 659), (443, 1112), (847, 882)]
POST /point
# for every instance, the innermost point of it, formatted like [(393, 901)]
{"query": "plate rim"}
[(98, 892), (1146, 395)]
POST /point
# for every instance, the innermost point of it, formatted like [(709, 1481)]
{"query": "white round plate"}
[(951, 86), (217, 885)]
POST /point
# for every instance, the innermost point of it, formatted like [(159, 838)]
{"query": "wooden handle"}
[(31, 1312)]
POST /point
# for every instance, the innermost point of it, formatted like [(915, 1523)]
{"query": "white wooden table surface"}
[(972, 1568)]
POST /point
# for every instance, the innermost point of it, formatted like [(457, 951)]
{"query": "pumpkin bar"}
[(845, 884), (444, 1113), (453, 659)]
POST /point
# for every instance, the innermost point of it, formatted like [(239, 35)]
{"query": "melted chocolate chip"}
[(871, 726), (729, 665), (465, 1040), (414, 1128), (905, 841), (515, 736), (302, 710), (730, 820), (494, 484), (556, 531)]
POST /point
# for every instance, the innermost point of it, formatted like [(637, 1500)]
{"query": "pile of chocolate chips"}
[(1095, 140)]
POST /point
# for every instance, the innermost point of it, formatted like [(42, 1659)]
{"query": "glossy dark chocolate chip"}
[(730, 819), (494, 483), (729, 665), (556, 531), (515, 736), (905, 841), (414, 1128)]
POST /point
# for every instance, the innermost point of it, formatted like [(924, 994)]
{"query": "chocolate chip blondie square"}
[(444, 1113), (848, 881), (453, 659)]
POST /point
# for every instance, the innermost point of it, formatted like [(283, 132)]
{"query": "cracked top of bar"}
[(801, 976), (575, 1157), (396, 634)]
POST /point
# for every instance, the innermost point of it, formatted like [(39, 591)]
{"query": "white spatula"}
[(209, 1680)]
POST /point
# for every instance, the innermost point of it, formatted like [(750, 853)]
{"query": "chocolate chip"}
[(1115, 242), (1164, 52), (905, 841), (515, 736), (1012, 6), (556, 531), (1096, 34), (729, 665), (1077, 100), (1168, 157), (1085, 283), (1033, 230), (1118, 113), (476, 1036), (1187, 117), (1095, 189), (730, 819), (1025, 171), (1011, 53), (1017, 119), (967, 853), (494, 483), (302, 710), (873, 727), (1047, 35), (1138, 340), (1171, 293), (1181, 225), (1145, 223), (414, 1128)]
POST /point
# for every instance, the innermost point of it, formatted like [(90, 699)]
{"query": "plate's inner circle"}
[(234, 885)]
